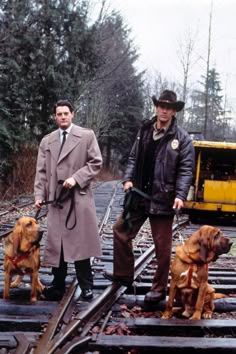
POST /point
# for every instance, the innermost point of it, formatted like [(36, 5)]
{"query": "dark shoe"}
[(115, 278), (87, 294), (155, 296), (52, 294)]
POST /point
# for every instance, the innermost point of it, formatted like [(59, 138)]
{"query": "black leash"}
[(37, 214), (130, 202), (177, 213), (57, 202)]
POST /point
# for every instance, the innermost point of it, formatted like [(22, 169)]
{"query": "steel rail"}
[(50, 340), (96, 310), (56, 319), (108, 210), (69, 311), (46, 338)]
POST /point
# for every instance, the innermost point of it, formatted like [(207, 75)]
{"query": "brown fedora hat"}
[(169, 98)]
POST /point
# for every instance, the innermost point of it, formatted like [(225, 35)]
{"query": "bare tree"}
[(186, 55), (207, 73), (111, 101)]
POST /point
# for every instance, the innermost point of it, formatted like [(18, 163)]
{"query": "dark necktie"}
[(63, 141)]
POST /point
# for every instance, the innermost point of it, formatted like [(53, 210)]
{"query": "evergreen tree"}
[(197, 120), (46, 52), (112, 102), (49, 50)]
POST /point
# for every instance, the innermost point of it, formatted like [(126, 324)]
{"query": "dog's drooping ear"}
[(207, 255), (14, 240), (207, 239), (203, 253)]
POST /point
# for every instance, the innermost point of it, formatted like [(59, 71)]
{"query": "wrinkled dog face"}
[(213, 243), (222, 244)]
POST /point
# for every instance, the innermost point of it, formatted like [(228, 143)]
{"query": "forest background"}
[(54, 49)]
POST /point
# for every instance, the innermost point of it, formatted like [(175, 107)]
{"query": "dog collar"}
[(192, 259), (190, 274), (18, 259)]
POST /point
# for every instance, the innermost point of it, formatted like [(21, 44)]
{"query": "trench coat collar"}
[(72, 140)]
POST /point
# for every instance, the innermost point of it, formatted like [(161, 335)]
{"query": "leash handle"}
[(129, 203), (177, 213), (37, 214), (141, 193), (57, 202)]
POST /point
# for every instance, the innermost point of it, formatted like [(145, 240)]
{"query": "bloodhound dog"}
[(189, 273), (22, 256)]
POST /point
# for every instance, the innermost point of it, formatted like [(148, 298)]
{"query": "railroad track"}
[(117, 319)]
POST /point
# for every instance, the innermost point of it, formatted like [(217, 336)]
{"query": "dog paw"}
[(207, 315), (196, 316), (166, 315)]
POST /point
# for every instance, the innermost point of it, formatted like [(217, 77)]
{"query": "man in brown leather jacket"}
[(160, 165)]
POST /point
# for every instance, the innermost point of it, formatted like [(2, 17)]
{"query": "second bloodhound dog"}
[(22, 256), (189, 273)]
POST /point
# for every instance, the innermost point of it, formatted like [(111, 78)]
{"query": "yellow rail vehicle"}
[(213, 191)]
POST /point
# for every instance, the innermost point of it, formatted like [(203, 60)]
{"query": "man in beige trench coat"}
[(72, 234)]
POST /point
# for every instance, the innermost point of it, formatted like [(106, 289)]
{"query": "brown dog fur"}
[(189, 273), (22, 256)]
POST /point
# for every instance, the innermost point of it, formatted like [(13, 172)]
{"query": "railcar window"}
[(213, 191), (218, 164)]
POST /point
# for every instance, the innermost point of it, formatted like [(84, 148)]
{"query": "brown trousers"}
[(161, 227)]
